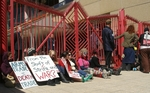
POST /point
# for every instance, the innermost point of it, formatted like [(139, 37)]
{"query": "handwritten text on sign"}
[(72, 74), (23, 74), (42, 67)]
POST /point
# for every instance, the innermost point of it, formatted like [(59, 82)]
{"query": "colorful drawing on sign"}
[(23, 74), (71, 73), (42, 67)]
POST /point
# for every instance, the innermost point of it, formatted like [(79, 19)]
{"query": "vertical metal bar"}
[(87, 26), (122, 29), (3, 26), (12, 26), (76, 31), (64, 33)]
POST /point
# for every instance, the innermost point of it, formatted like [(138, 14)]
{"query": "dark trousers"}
[(61, 69), (108, 58), (18, 55), (145, 54)]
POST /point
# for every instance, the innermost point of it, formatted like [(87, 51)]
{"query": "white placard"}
[(23, 74), (42, 67), (72, 74)]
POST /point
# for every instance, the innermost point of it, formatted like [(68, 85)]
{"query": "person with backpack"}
[(144, 41)]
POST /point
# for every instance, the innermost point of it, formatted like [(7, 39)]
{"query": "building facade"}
[(139, 9)]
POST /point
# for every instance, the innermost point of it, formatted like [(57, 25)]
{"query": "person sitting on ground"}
[(7, 70), (61, 73), (94, 63), (63, 58), (72, 66), (84, 64)]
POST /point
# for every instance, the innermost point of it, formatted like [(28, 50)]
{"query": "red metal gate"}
[(73, 28)]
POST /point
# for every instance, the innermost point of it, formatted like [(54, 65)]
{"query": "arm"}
[(6, 70), (136, 39), (140, 39), (117, 37), (111, 40), (96, 61), (81, 64)]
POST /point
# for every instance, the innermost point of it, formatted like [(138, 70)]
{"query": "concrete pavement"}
[(127, 82)]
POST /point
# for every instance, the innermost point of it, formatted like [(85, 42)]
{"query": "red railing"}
[(73, 29)]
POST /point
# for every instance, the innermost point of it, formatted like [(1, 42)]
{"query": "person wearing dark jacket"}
[(5, 66), (7, 70), (145, 50), (51, 42), (94, 63), (18, 44), (108, 42)]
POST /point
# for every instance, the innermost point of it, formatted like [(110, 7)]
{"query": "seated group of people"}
[(66, 65)]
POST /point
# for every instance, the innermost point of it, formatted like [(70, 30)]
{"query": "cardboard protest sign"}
[(42, 67), (72, 74), (23, 74)]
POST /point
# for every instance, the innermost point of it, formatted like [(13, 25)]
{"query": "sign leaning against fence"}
[(23, 74), (42, 67)]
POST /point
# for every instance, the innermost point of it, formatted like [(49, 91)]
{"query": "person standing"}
[(18, 43), (108, 42), (145, 50), (51, 42), (130, 39)]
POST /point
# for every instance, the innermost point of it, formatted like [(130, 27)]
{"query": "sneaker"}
[(87, 78), (104, 74)]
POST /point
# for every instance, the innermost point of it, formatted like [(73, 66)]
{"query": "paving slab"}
[(127, 82)]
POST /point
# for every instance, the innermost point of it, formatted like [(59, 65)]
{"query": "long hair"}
[(53, 55), (130, 29)]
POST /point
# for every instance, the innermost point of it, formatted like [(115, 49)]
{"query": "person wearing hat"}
[(31, 52), (144, 41), (108, 42)]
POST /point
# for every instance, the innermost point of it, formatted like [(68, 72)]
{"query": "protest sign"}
[(72, 74), (42, 67), (23, 74)]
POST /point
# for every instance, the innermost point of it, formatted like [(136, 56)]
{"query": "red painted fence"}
[(73, 29)]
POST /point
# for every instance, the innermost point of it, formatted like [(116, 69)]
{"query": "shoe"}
[(104, 74), (51, 82), (57, 81), (87, 78), (117, 71), (71, 81), (17, 85), (109, 72), (63, 78)]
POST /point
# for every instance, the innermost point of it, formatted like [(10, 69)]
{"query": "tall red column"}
[(122, 24), (3, 26)]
